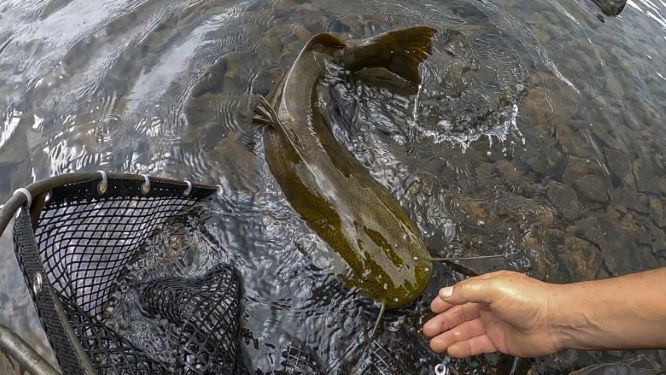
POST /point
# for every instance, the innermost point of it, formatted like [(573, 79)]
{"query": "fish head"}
[(396, 267)]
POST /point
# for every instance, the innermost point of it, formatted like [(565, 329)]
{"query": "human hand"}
[(501, 311)]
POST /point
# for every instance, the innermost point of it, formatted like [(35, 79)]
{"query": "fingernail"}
[(446, 292)]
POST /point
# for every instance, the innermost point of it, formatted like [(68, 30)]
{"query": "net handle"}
[(24, 354), (38, 191)]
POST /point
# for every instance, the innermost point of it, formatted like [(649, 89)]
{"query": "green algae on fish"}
[(329, 188)]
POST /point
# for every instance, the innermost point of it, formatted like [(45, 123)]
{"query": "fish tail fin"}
[(400, 52)]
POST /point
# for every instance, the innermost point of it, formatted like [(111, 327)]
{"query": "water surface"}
[(537, 134)]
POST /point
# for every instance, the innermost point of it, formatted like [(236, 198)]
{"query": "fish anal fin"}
[(400, 52)]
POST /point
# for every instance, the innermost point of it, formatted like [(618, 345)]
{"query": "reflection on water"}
[(536, 133), (652, 10)]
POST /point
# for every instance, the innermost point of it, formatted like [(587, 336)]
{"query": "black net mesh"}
[(86, 239), (383, 359), (393, 353), (109, 352), (86, 236), (205, 312), (299, 359), (383, 355)]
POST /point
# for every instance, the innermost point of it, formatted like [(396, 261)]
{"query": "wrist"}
[(571, 316), (627, 312)]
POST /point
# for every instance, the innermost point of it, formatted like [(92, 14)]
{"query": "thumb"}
[(472, 290)]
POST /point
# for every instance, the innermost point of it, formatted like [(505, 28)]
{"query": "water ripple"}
[(535, 124)]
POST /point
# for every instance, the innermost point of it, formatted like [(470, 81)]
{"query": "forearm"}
[(627, 312)]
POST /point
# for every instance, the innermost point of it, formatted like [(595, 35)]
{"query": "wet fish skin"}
[(329, 188)]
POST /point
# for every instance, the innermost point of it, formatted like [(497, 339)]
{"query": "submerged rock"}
[(581, 258), (592, 188), (619, 166), (565, 200), (646, 172), (611, 7), (576, 169), (616, 236)]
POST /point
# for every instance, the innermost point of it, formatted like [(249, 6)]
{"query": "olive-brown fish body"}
[(330, 189)]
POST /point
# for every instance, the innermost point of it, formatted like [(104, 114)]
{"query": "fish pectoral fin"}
[(248, 138), (265, 115), (243, 107), (400, 52)]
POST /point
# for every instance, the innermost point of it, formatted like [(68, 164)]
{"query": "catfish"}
[(329, 188)]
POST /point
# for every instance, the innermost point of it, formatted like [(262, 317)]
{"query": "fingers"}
[(460, 334), (451, 319), (458, 328), (439, 306), (478, 290), (474, 346)]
